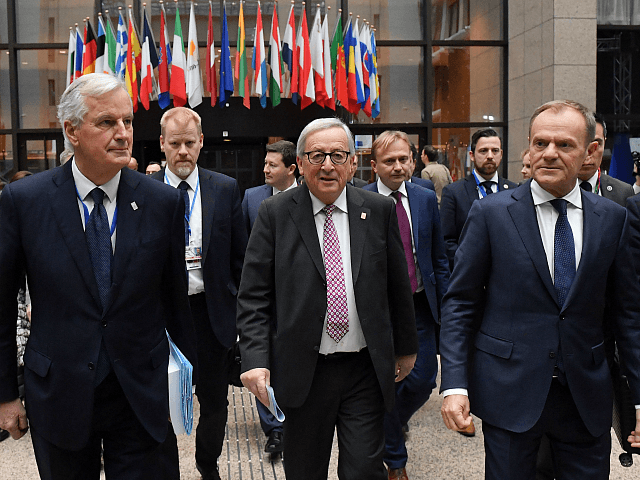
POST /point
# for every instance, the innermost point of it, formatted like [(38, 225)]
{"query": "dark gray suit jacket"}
[(284, 278), (615, 189)]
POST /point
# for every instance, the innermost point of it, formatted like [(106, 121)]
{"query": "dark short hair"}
[(286, 149), (600, 119), (153, 162), (483, 133), (430, 152)]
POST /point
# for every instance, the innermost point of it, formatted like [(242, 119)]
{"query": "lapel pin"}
[(363, 216), (609, 188), (134, 205), (505, 186)]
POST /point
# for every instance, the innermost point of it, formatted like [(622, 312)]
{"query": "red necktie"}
[(337, 309), (405, 233)]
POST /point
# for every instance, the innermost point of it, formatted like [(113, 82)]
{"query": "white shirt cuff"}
[(455, 391)]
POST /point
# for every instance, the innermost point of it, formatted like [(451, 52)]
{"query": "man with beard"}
[(486, 155)]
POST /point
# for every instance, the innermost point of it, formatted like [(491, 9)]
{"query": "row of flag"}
[(306, 65)]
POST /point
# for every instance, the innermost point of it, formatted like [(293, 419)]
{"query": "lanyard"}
[(481, 189), (86, 214), (193, 202), (597, 189)]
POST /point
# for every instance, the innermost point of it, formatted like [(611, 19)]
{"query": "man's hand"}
[(634, 438), (456, 412), (256, 380), (404, 365), (13, 418)]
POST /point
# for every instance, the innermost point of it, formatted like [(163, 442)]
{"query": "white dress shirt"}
[(547, 215), (593, 181), (404, 197), (354, 340), (494, 185), (196, 280), (84, 187), (275, 191)]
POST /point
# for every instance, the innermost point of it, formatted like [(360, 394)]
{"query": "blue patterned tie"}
[(98, 236), (564, 265), (184, 188)]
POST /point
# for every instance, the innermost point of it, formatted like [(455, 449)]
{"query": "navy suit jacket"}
[(224, 240), (456, 201), (41, 234), (502, 324), (284, 277), (429, 245), (251, 202), (423, 182)]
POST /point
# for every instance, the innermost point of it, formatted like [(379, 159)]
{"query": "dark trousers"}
[(345, 394), (577, 455), (214, 363), (129, 451), (412, 392), (268, 422)]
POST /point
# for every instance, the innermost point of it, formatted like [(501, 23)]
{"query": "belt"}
[(339, 356)]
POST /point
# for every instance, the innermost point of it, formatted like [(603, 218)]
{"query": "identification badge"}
[(193, 257)]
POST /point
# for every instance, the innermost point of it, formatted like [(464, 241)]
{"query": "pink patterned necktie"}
[(337, 310)]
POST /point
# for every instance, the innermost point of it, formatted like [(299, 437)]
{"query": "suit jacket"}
[(502, 323), (455, 204), (41, 234), (358, 182), (224, 240), (284, 277), (251, 202), (423, 182), (429, 245), (615, 189)]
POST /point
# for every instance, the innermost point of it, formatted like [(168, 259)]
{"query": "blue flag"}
[(226, 74)]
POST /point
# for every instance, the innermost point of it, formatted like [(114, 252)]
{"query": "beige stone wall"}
[(552, 56)]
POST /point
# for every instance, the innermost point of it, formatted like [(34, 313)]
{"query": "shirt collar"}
[(175, 180), (481, 179), (540, 195), (593, 180), (275, 191), (384, 190), (85, 186), (340, 203)]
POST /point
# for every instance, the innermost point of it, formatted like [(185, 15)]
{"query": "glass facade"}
[(441, 68)]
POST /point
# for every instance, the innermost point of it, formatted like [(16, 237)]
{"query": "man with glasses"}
[(326, 260)]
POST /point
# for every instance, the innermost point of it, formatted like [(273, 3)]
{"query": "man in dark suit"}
[(214, 242), (102, 247), (486, 156), (592, 180), (522, 340), (326, 263), (279, 176), (419, 222)]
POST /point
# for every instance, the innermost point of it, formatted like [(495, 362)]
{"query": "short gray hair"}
[(324, 124), (72, 107), (559, 105)]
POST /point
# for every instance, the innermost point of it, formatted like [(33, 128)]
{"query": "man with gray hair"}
[(325, 312), (102, 248)]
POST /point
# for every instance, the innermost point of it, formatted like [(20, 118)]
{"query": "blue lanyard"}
[(481, 189), (86, 214), (193, 202)]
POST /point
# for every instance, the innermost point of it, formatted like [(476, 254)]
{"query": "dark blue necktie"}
[(184, 188), (98, 236), (564, 265), (487, 186), (564, 252)]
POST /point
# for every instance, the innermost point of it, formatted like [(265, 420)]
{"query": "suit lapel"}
[(208, 189), (130, 211), (301, 212), (523, 215), (591, 237), (358, 223), (64, 203), (472, 190)]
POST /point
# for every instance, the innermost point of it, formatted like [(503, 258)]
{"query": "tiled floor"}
[(434, 452)]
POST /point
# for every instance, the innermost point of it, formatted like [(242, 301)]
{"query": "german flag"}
[(90, 49)]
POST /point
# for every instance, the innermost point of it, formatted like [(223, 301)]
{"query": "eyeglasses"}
[(317, 158)]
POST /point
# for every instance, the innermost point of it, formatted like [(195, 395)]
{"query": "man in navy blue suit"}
[(279, 176), (214, 243), (419, 221), (539, 272), (457, 197), (101, 246)]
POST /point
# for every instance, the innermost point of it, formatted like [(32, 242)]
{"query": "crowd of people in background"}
[(339, 295)]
